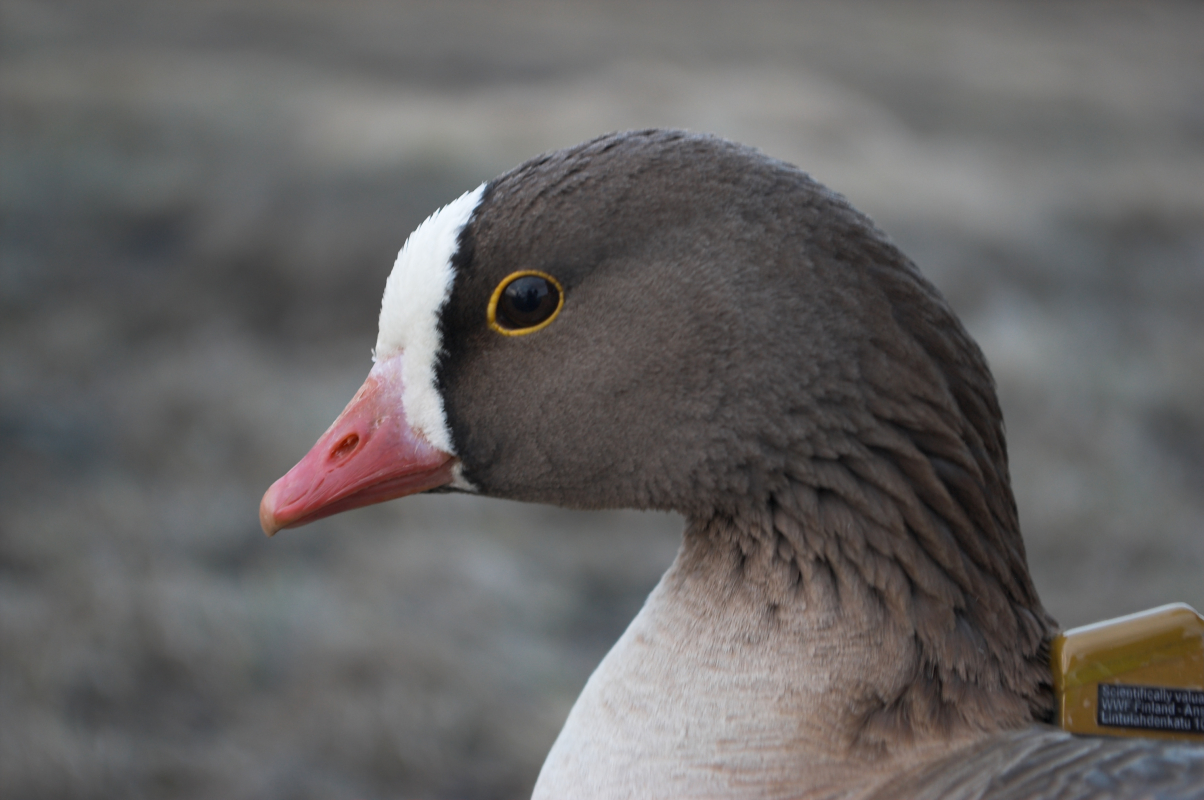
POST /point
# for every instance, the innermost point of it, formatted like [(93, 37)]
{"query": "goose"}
[(665, 320)]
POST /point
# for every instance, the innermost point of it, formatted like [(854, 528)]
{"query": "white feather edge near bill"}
[(415, 293)]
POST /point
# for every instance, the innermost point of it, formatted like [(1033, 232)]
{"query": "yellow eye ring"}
[(515, 323)]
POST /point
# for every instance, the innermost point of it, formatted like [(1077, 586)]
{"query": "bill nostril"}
[(343, 449)]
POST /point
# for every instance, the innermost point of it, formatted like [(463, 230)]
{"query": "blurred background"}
[(201, 201)]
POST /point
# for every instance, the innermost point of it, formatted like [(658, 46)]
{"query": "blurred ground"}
[(201, 201)]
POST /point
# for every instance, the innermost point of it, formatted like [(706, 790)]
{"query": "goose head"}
[(719, 324), (662, 320)]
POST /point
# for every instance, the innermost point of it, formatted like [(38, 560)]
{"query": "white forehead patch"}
[(415, 292)]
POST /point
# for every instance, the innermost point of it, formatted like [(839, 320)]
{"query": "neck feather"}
[(957, 637)]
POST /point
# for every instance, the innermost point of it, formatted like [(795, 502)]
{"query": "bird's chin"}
[(369, 455)]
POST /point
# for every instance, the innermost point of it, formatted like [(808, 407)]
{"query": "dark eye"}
[(524, 302)]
